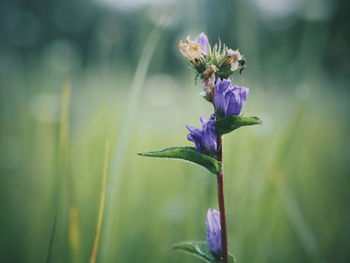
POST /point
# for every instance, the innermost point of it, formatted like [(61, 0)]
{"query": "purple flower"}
[(228, 100), (205, 139), (214, 232), (203, 42)]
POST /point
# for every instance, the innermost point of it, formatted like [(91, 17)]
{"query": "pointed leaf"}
[(188, 154), (196, 248), (199, 249), (230, 123)]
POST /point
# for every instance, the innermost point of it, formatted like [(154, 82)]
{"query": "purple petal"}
[(209, 136), (193, 130), (196, 140), (222, 85), (229, 99), (221, 88), (205, 139), (202, 120), (191, 138), (243, 93), (203, 42), (213, 236), (234, 105)]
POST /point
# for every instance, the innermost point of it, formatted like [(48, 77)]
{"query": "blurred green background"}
[(74, 74)]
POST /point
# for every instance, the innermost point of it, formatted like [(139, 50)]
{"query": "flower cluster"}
[(214, 66), (211, 63)]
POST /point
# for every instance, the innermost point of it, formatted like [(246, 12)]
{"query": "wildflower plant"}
[(214, 67)]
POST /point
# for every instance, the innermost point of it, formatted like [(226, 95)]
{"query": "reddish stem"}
[(221, 201)]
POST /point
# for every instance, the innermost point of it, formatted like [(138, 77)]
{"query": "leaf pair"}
[(199, 249), (223, 126)]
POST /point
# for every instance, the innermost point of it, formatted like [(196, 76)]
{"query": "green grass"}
[(286, 188), (286, 182)]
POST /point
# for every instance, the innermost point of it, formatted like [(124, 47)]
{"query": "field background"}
[(74, 74)]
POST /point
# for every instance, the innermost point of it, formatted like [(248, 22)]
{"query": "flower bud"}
[(214, 233)]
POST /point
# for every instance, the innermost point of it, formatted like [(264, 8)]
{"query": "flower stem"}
[(221, 200)]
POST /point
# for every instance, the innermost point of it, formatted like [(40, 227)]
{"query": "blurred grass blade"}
[(52, 237), (74, 235), (296, 217), (64, 126), (283, 152), (188, 154), (231, 123), (102, 204), (124, 138), (62, 173)]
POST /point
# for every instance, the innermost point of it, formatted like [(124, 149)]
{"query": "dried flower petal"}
[(190, 49), (233, 58)]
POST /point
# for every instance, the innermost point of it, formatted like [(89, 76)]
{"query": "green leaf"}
[(188, 154), (230, 123), (199, 249), (196, 248)]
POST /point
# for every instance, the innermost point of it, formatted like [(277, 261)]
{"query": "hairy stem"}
[(221, 200)]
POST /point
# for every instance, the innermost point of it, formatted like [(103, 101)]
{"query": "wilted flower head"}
[(190, 49), (228, 100), (211, 62), (194, 50), (234, 58), (214, 232), (205, 139)]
